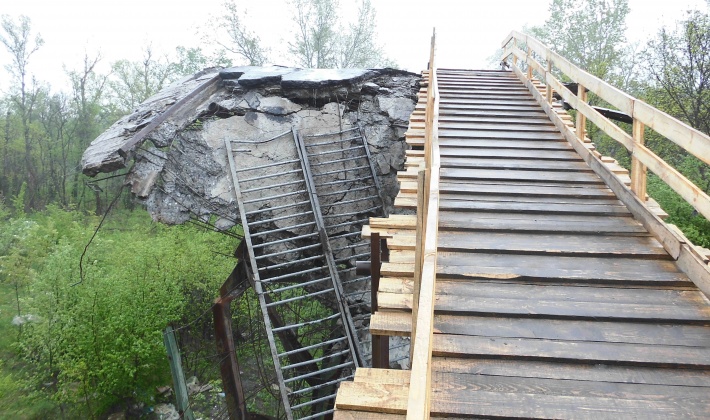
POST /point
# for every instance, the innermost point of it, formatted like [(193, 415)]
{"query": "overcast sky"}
[(468, 32)]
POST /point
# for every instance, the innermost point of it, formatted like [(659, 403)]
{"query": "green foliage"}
[(98, 339), (694, 226)]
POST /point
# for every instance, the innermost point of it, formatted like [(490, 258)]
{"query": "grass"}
[(17, 398)]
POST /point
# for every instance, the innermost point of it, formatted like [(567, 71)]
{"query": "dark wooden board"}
[(555, 244), (501, 143), (512, 163), (569, 351), (493, 119), (537, 128), (493, 149), (531, 113), (580, 177), (540, 223), (532, 208), (580, 330), (568, 371), (522, 188), (546, 268), (511, 134), (520, 198), (503, 100), (446, 108)]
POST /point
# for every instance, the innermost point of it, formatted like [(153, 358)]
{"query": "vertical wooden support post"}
[(548, 88), (581, 119), (530, 73), (638, 169), (418, 256), (380, 343), (182, 403), (515, 57), (228, 365)]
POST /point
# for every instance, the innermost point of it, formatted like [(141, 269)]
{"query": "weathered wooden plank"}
[(529, 199), (476, 162), (584, 177), (496, 149), (568, 371), (530, 113), (559, 244), (497, 119), (469, 126), (542, 267), (541, 223), (447, 135), (568, 351), (476, 143), (533, 208), (526, 189), (390, 398), (399, 323)]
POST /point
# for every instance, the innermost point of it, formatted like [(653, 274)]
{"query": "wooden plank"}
[(533, 208), (541, 223), (476, 143), (560, 244), (447, 135), (568, 371), (522, 153), (495, 119), (542, 267), (392, 399), (526, 189), (520, 175), (534, 128), (570, 351), (399, 323), (529, 199), (474, 162)]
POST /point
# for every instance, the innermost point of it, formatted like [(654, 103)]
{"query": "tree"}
[(679, 64), (590, 34), (321, 41), (17, 39), (135, 81), (244, 42)]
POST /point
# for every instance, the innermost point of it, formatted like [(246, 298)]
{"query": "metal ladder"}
[(343, 174), (301, 299)]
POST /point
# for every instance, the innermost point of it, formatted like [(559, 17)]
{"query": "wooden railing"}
[(644, 115), (643, 159), (425, 255)]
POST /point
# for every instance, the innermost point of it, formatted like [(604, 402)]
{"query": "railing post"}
[(581, 119), (638, 170), (548, 88), (527, 61)]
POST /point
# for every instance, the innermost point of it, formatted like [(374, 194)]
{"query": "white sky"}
[(468, 31)]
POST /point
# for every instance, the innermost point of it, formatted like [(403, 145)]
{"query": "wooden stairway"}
[(552, 300)]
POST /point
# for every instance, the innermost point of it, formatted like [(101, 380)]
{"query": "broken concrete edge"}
[(114, 148)]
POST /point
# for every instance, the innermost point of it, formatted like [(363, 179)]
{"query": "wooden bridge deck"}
[(552, 300)]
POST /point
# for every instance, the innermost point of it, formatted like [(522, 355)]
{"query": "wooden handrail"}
[(425, 276), (644, 115)]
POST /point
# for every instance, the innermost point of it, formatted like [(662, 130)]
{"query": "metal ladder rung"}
[(354, 222), (360, 292), (257, 178), (330, 152), (333, 142), (356, 279), (308, 235), (346, 191), (296, 204), (271, 197), (340, 171), (308, 375), (269, 165), (297, 365), (312, 388), (303, 324), (311, 402), (342, 181), (260, 257), (313, 136), (266, 187), (297, 298), (353, 213), (288, 216), (267, 232), (314, 346), (317, 415), (297, 273), (297, 285), (366, 254), (338, 203), (331, 162), (285, 264)]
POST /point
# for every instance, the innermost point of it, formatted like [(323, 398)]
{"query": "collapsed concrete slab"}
[(174, 142)]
